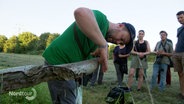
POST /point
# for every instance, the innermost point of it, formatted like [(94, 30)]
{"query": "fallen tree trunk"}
[(30, 75)]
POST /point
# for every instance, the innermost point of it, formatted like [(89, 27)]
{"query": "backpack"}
[(119, 95)]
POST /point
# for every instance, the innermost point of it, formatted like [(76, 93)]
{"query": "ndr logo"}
[(29, 95)]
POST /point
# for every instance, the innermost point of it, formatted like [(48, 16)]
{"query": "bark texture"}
[(30, 75)]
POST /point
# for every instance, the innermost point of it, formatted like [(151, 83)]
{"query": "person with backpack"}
[(168, 75), (139, 60), (163, 51)]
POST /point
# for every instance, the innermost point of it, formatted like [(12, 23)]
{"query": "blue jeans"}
[(63, 92), (163, 71)]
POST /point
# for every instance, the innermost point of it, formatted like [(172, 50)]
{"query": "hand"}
[(128, 55), (160, 52), (103, 54), (141, 55), (154, 52)]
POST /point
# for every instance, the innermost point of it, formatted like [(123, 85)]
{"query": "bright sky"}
[(54, 16)]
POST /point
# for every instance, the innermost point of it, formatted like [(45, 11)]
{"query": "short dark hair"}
[(163, 32), (141, 31), (179, 13)]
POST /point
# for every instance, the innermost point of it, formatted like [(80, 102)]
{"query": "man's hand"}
[(160, 52), (103, 54)]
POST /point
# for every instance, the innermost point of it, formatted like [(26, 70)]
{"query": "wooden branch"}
[(30, 75)]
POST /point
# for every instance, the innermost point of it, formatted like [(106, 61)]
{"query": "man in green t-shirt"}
[(93, 31)]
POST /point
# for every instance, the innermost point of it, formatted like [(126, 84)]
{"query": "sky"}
[(54, 16)]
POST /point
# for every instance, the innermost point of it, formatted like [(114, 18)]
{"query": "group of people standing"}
[(138, 61), (165, 56), (83, 39), (88, 35)]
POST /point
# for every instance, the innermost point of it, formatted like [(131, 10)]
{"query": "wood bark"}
[(30, 75)]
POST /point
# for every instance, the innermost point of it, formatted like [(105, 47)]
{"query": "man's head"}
[(122, 33), (180, 17), (141, 34), (163, 35)]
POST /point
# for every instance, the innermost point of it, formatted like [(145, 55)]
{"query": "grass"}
[(91, 95)]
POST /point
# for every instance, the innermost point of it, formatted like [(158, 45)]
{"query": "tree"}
[(11, 45), (42, 41), (51, 38), (28, 41), (3, 39), (111, 48)]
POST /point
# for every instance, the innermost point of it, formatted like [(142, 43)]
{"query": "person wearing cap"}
[(163, 51), (93, 30), (139, 60)]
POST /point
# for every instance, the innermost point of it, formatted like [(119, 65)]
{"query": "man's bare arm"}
[(87, 23)]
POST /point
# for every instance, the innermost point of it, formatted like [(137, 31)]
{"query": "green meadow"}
[(91, 95)]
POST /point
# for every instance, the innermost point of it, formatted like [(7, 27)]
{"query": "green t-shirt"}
[(64, 49)]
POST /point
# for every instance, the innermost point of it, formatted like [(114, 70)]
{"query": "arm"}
[(87, 23), (148, 51), (122, 56), (134, 52), (166, 54)]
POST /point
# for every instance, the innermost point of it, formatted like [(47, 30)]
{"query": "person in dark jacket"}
[(120, 62)]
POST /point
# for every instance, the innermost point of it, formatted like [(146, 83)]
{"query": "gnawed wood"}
[(30, 75)]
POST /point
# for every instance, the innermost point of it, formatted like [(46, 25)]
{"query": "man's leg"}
[(154, 75), (118, 73), (181, 75), (140, 78), (163, 74), (101, 74), (63, 92), (178, 60), (130, 77), (86, 79), (137, 73), (53, 92), (145, 73), (158, 80), (79, 95), (168, 76), (94, 77), (181, 80)]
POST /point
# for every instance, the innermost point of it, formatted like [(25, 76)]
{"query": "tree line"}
[(29, 43), (26, 42)]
